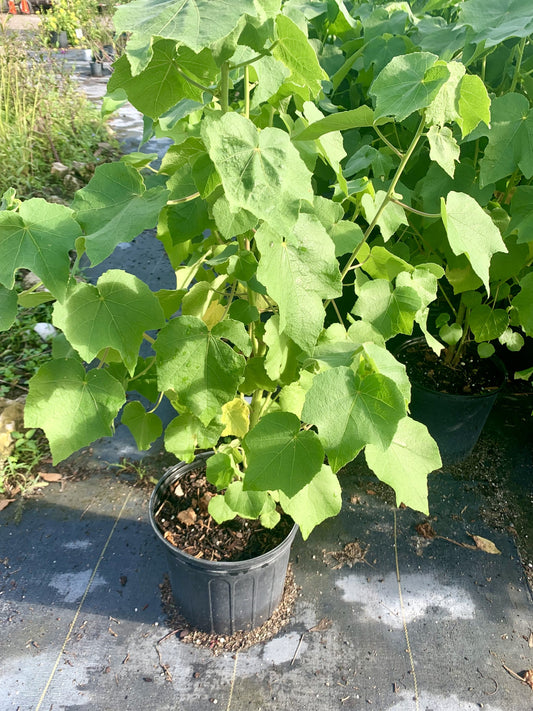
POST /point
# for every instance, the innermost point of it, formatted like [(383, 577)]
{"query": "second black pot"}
[(454, 421), (215, 596)]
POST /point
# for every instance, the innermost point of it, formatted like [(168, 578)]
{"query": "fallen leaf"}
[(425, 530), (528, 677), (188, 517), (324, 624), (530, 640), (485, 545), (50, 476), (5, 502)]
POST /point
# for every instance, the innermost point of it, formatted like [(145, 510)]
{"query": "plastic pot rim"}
[(456, 396), (213, 566)]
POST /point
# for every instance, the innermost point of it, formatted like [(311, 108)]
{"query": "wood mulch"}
[(185, 522)]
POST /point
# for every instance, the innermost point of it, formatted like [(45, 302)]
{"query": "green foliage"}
[(331, 163)]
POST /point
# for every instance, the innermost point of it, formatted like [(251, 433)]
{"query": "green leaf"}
[(352, 411), (342, 121), (382, 264), (201, 368), (522, 213), (485, 350), (444, 107), (146, 427), (159, 86), (194, 23), (8, 308), (293, 49), (391, 311), (186, 433), (487, 323), (523, 302), (281, 362), (317, 501), (493, 21), (330, 146), (38, 237), (280, 456), (261, 171), (451, 334), (72, 406), (113, 314), (230, 223), (270, 75), (390, 219), (115, 207), (299, 270), (512, 339), (474, 104), (443, 148), (248, 504), (346, 236), (382, 361), (471, 232), (510, 144), (220, 470), (241, 310), (219, 509), (408, 83), (406, 462)]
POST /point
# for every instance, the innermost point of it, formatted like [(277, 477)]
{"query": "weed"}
[(18, 470)]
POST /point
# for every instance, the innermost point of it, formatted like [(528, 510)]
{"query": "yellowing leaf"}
[(236, 418), (213, 315)]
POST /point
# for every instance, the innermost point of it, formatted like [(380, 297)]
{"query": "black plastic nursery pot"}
[(216, 596), (454, 421)]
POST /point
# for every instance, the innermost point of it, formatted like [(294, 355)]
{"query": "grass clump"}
[(44, 118)]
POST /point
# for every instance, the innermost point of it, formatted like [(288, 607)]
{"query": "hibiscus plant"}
[(320, 186)]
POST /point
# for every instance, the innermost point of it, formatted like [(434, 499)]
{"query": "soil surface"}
[(186, 523), (472, 376)]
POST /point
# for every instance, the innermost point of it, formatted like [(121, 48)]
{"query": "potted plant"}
[(448, 187), (239, 345)]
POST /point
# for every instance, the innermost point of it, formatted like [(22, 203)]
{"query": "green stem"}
[(193, 81), (247, 91), (388, 143), (224, 87), (185, 199), (257, 57), (521, 47), (416, 212), (389, 194)]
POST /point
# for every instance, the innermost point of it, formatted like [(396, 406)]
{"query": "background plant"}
[(44, 118)]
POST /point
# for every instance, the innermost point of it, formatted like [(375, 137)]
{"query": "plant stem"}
[(416, 212), (193, 81), (247, 91), (521, 47), (387, 142), (389, 194), (224, 87)]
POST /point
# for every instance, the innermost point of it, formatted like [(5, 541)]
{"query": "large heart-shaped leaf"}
[(408, 83), (299, 270), (352, 411), (72, 406), (494, 21), (38, 237), (116, 207), (471, 232), (261, 171), (113, 314), (280, 456), (159, 86), (198, 366), (318, 500), (406, 462), (390, 310), (146, 427), (194, 23)]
